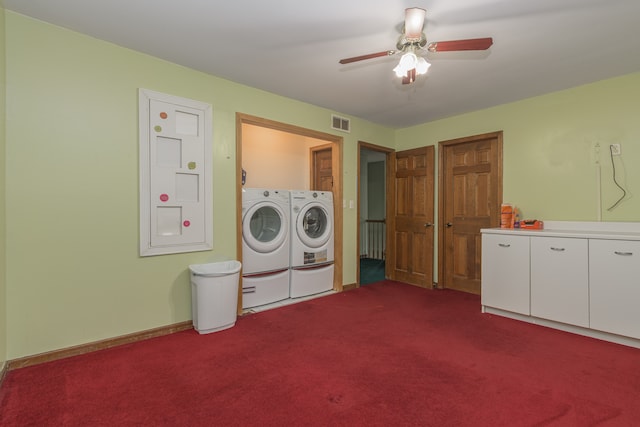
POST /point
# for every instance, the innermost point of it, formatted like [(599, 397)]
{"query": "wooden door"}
[(470, 194), (411, 258), (321, 168)]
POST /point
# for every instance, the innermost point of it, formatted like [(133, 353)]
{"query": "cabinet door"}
[(560, 280), (614, 282), (505, 272)]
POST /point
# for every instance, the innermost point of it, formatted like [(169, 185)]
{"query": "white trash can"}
[(214, 295)]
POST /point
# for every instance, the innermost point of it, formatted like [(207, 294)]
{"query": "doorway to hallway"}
[(372, 207)]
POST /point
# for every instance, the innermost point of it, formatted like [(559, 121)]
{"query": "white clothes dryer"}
[(265, 246), (312, 242)]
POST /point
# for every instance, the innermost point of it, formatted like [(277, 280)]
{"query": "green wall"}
[(73, 271), (549, 163), (73, 274), (3, 279), (376, 185)]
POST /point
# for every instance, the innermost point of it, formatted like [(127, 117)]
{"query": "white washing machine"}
[(312, 242), (265, 246)]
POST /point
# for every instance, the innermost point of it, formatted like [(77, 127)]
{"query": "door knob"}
[(449, 224), (427, 224)]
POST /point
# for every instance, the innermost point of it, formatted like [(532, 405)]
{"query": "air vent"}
[(340, 123)]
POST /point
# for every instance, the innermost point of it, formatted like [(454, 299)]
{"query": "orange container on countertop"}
[(506, 215)]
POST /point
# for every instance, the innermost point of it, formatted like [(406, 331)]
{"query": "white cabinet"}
[(580, 277), (560, 279), (505, 272), (614, 278)]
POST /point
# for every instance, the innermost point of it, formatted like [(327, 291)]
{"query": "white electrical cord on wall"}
[(596, 149), (598, 186)]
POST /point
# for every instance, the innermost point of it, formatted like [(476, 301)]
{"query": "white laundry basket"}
[(214, 295)]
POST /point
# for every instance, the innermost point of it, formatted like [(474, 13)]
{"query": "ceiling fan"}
[(413, 40)]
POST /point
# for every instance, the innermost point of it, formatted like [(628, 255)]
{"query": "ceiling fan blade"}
[(453, 45), (369, 56), (414, 22)]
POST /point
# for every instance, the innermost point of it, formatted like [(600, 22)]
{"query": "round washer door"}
[(264, 227), (313, 225)]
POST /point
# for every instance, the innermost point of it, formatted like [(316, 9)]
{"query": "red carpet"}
[(387, 354)]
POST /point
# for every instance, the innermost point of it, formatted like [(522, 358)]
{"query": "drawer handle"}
[(249, 290), (557, 249), (623, 253), (504, 245)]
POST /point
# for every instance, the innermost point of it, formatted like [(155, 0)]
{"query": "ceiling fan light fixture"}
[(400, 73), (413, 40), (407, 62), (410, 61), (413, 23), (422, 66)]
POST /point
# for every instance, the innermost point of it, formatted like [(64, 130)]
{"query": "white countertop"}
[(577, 229)]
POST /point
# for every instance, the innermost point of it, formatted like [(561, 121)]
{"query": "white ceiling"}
[(292, 47)]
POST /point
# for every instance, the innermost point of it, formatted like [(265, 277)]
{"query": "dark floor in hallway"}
[(371, 270)]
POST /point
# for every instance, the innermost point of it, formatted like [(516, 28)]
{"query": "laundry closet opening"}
[(274, 155)]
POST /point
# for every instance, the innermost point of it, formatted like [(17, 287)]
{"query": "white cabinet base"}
[(583, 278), (592, 333)]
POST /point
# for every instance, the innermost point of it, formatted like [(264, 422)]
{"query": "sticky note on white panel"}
[(186, 123), (168, 152), (169, 219), (187, 187)]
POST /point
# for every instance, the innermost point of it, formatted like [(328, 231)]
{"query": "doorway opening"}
[(372, 213), (331, 141)]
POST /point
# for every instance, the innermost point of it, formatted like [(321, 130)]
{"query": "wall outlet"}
[(615, 149)]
